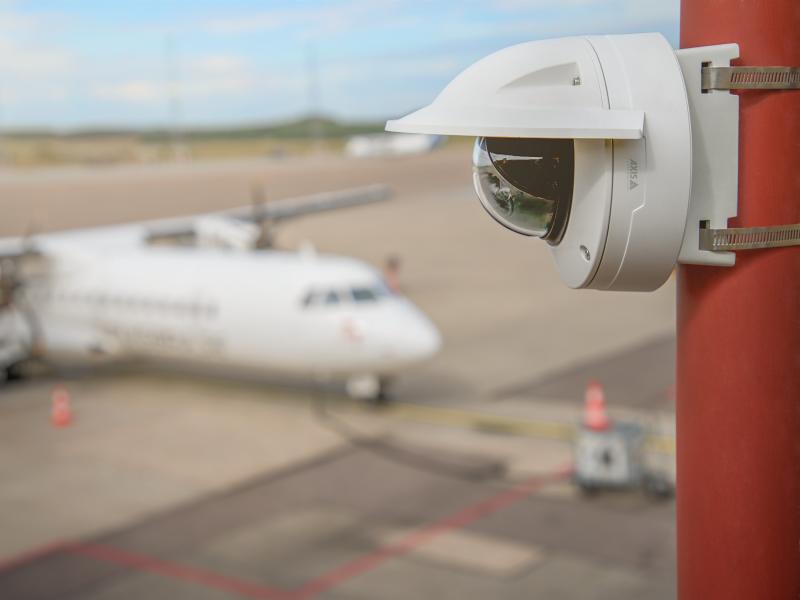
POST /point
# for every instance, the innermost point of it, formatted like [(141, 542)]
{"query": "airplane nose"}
[(397, 336), (429, 341), (417, 340)]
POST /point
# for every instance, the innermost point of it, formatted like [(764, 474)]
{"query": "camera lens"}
[(526, 183)]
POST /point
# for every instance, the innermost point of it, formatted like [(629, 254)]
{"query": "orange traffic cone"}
[(61, 413), (594, 410)]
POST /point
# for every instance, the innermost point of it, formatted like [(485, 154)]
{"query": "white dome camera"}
[(586, 142)]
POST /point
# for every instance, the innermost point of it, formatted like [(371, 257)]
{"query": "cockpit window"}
[(363, 294), (311, 298), (382, 290)]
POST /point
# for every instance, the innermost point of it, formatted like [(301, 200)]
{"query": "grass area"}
[(43, 148)]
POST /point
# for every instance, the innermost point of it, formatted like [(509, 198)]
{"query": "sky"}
[(69, 64)]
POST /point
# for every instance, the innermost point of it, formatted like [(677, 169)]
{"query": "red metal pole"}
[(738, 379)]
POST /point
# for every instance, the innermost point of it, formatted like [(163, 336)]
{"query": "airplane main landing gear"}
[(383, 397), (12, 372), (370, 388)]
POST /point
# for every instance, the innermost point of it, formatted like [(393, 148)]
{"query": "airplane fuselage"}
[(259, 312)]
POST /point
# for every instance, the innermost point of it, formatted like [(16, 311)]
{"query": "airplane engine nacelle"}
[(229, 234)]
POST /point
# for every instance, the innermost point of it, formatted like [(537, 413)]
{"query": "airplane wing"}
[(297, 207), (246, 227), (15, 253), (14, 248), (270, 212)]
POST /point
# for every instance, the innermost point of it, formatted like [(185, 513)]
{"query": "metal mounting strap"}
[(750, 78), (749, 238)]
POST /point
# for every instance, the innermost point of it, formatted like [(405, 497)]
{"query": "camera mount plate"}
[(715, 153), (709, 78)]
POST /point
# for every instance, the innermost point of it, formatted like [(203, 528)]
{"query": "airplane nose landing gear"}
[(371, 388)]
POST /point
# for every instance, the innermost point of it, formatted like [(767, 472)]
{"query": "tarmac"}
[(175, 486)]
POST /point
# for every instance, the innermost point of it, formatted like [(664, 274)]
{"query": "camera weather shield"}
[(548, 89)]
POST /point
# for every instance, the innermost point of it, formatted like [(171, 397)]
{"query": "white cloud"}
[(264, 21), (32, 67), (396, 69), (219, 63), (526, 5), (204, 77), (615, 16), (152, 91), (141, 91), (443, 65), (621, 11), (24, 40), (336, 18), (650, 10), (32, 62), (60, 68)]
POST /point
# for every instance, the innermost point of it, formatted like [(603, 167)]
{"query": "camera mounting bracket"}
[(749, 238), (750, 78), (715, 154)]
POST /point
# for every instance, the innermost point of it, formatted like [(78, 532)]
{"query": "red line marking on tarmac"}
[(424, 535), (316, 586), (185, 573), (25, 558)]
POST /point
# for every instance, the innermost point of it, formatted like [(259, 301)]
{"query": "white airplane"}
[(204, 292), (391, 144)]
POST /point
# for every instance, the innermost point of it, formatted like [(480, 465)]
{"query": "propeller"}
[(15, 274), (258, 200), (9, 282), (25, 309)]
